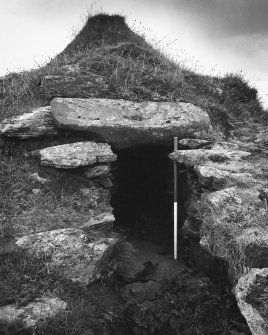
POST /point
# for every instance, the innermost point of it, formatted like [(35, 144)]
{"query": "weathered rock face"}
[(235, 227), (71, 252), (73, 155), (124, 123), (35, 124), (212, 177), (29, 316), (218, 156), (232, 216), (223, 165), (251, 293)]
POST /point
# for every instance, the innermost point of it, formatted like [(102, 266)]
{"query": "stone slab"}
[(73, 155), (217, 155), (124, 123), (30, 125), (215, 179)]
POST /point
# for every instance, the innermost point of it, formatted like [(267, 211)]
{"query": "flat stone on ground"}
[(71, 251), (124, 123), (73, 155)]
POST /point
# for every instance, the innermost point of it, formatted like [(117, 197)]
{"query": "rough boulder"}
[(73, 253), (228, 211)]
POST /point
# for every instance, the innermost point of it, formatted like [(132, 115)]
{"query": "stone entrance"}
[(143, 194)]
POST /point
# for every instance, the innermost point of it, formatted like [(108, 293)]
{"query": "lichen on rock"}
[(232, 213), (71, 252), (73, 155), (124, 123)]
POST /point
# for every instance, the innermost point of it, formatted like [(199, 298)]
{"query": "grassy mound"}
[(136, 71)]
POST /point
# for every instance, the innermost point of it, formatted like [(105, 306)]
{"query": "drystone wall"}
[(230, 216), (74, 251)]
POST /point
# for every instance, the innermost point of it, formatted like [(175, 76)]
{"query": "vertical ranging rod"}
[(175, 202)]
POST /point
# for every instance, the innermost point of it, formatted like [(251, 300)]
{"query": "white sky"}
[(213, 36)]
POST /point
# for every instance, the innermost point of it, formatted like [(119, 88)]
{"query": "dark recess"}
[(143, 207), (143, 196)]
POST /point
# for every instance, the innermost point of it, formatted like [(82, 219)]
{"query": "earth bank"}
[(98, 145)]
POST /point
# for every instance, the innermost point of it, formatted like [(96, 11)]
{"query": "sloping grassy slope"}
[(135, 71)]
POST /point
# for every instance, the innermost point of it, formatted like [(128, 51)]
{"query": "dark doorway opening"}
[(143, 208), (143, 196)]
